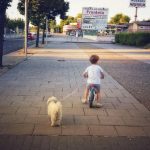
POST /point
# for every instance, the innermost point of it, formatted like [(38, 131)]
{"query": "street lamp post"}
[(26, 29)]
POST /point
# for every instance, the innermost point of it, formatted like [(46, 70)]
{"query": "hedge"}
[(133, 39)]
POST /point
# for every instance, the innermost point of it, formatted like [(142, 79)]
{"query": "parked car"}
[(31, 36)]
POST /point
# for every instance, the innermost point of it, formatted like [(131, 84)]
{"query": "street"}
[(56, 69), (14, 44)]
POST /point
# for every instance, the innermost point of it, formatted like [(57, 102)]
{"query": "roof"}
[(143, 23)]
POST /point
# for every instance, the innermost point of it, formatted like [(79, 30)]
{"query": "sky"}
[(114, 6)]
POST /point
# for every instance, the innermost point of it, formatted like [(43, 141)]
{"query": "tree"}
[(120, 19), (69, 19), (79, 15), (14, 23), (4, 4), (40, 9)]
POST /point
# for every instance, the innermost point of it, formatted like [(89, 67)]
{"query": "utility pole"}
[(26, 29), (136, 10)]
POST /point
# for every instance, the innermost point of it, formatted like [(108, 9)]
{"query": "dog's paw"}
[(52, 125), (55, 125)]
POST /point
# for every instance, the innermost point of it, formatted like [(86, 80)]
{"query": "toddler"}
[(94, 74)]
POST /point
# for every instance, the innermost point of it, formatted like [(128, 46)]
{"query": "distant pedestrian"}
[(94, 74)]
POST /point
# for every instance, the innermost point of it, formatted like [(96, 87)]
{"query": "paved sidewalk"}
[(123, 123), (72, 143), (24, 91), (12, 59)]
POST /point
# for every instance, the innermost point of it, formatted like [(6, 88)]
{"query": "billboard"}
[(94, 18), (137, 3)]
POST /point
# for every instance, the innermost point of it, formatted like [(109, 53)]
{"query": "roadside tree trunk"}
[(2, 22), (43, 37), (37, 38)]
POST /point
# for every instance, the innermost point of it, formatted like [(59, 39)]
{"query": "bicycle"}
[(92, 95)]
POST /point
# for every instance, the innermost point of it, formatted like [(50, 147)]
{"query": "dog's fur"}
[(54, 111)]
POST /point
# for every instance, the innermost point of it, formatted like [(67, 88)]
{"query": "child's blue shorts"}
[(97, 86)]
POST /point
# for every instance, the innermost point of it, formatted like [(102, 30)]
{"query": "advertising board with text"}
[(138, 3), (94, 18)]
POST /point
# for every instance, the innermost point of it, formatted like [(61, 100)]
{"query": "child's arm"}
[(85, 74), (102, 75)]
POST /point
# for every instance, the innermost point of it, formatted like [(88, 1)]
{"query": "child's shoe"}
[(99, 105), (84, 101)]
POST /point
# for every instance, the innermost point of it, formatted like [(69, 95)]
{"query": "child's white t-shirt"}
[(94, 74)]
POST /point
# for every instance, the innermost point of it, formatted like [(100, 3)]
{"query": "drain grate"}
[(61, 60)]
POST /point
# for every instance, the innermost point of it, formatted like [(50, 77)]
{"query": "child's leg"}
[(99, 104), (86, 93), (98, 98)]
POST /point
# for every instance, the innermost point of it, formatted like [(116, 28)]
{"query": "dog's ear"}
[(51, 99)]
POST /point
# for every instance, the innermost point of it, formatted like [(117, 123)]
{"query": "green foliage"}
[(52, 24), (133, 39), (69, 20), (79, 15), (39, 10), (119, 19), (4, 4), (14, 23)]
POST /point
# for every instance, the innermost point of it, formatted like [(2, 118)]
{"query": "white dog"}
[(54, 111)]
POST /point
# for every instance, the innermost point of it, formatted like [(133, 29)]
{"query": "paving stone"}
[(117, 112), (111, 100), (136, 121), (67, 104), (75, 130), (17, 144), (8, 110), (68, 120), (33, 98), (141, 107), (18, 129), (102, 131), (147, 130), (111, 120), (108, 105), (27, 144), (127, 106), (43, 111), (73, 111), (21, 104), (5, 103), (36, 142), (12, 118), (94, 112), (46, 129), (39, 104), (130, 131), (137, 113), (27, 110), (45, 143), (36, 119), (86, 120), (128, 100), (15, 98)]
